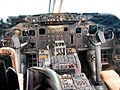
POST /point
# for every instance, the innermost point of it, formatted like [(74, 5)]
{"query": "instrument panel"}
[(44, 29), (47, 28), (47, 35)]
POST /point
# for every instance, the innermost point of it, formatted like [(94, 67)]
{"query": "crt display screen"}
[(41, 31), (78, 30), (65, 29), (92, 29), (32, 32), (25, 33)]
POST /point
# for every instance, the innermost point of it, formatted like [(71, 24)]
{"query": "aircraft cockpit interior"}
[(61, 51)]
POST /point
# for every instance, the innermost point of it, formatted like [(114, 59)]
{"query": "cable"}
[(60, 6), (53, 6), (49, 6)]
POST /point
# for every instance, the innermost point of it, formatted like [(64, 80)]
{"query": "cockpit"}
[(60, 51)]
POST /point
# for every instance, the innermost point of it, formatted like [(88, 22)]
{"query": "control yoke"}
[(101, 38), (105, 36)]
